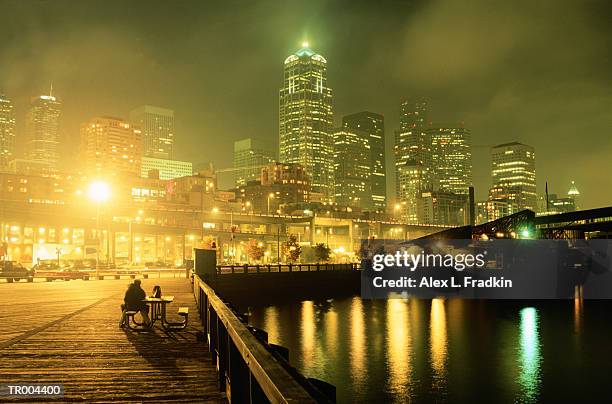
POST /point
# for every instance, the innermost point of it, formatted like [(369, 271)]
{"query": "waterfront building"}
[(372, 125), (281, 187), (250, 155), (305, 119), (157, 125)]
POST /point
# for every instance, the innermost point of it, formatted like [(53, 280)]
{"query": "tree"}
[(322, 252), (255, 250), (293, 250)]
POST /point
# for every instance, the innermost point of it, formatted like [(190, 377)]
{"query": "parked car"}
[(46, 266), (14, 271)]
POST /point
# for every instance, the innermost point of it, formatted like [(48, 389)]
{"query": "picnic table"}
[(159, 310)]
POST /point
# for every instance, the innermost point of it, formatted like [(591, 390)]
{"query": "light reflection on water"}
[(403, 350), (357, 353), (529, 354), (398, 348), (438, 343)]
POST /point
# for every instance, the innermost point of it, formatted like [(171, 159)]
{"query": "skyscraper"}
[(352, 168), (305, 119), (110, 146), (373, 126), (42, 131), (410, 183), (514, 176), (7, 132), (451, 158), (250, 155), (412, 151), (157, 125)]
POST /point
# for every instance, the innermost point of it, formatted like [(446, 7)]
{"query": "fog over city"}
[(533, 72)]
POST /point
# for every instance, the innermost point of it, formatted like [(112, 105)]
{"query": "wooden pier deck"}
[(67, 332)]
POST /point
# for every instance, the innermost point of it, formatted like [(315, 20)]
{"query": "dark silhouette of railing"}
[(264, 268), (248, 370)]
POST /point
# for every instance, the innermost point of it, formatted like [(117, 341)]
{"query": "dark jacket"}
[(133, 298)]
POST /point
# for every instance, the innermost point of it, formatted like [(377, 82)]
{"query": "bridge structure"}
[(583, 224)]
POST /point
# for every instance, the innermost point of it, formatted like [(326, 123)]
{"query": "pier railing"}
[(246, 370), (253, 269)]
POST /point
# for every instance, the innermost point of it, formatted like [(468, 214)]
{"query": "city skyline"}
[(525, 118)]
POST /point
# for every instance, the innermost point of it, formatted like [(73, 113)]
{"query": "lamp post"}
[(99, 192), (271, 195)]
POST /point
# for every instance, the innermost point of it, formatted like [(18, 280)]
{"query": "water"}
[(447, 350)]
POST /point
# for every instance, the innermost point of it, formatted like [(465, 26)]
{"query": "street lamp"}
[(99, 192), (271, 195)]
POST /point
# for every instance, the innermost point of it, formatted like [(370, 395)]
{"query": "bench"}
[(129, 319), (183, 312)]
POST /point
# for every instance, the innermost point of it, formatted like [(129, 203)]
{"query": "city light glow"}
[(99, 191)]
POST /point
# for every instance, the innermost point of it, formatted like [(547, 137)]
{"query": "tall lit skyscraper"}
[(373, 126), (110, 146), (7, 132), (42, 131), (410, 182), (157, 125), (250, 155), (305, 119), (514, 176), (412, 151), (451, 158), (352, 168)]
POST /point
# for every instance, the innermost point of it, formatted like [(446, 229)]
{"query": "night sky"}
[(511, 70)]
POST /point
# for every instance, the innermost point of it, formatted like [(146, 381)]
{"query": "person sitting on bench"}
[(134, 302)]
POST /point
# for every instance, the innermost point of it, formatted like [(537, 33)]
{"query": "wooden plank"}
[(68, 333)]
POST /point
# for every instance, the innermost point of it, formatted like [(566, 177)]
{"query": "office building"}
[(513, 174), (110, 146), (411, 140), (7, 132), (443, 208), (451, 158), (305, 119), (282, 188), (42, 131), (412, 152), (373, 126), (250, 156), (157, 125), (165, 169), (352, 168), (410, 182)]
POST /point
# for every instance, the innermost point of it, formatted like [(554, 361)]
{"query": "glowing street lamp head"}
[(99, 191), (305, 44)]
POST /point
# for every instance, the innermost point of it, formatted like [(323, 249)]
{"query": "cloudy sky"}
[(537, 72)]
